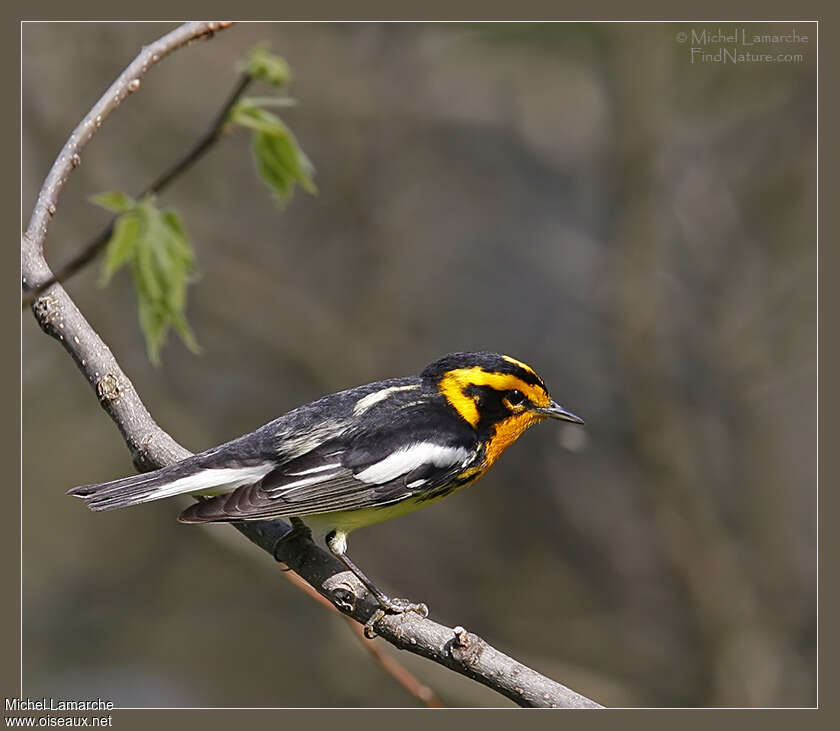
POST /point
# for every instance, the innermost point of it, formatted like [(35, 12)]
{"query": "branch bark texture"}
[(151, 447)]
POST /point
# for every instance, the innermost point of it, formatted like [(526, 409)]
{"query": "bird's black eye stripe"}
[(515, 398)]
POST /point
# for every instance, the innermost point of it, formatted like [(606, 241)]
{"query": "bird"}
[(357, 457)]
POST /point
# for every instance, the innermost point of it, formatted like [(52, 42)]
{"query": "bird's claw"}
[(370, 631), (393, 606), (297, 529)]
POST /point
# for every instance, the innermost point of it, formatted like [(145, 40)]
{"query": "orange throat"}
[(507, 432)]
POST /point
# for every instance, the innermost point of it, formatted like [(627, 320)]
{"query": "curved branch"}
[(151, 447), (127, 83), (204, 143)]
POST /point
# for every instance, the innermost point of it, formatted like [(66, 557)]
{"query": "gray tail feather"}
[(123, 492)]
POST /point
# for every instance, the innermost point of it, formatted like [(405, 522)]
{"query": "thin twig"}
[(202, 145), (152, 447), (126, 83), (413, 685)]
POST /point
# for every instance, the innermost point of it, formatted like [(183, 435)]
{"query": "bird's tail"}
[(126, 491), (187, 477)]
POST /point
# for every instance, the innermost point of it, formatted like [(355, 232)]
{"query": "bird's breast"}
[(347, 521)]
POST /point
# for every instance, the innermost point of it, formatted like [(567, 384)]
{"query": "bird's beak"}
[(556, 411)]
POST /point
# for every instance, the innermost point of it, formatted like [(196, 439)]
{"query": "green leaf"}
[(153, 324), (249, 114), (121, 246), (155, 246), (183, 329), (281, 163), (114, 200), (265, 66)]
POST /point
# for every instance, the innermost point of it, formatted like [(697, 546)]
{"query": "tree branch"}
[(204, 143), (151, 447)]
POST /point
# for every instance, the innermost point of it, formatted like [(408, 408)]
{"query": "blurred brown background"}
[(638, 228)]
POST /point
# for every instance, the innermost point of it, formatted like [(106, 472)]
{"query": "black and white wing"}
[(246, 460), (332, 479)]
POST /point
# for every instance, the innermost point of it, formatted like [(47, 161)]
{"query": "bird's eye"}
[(515, 398)]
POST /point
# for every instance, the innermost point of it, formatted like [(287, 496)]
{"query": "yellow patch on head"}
[(523, 366), (454, 384)]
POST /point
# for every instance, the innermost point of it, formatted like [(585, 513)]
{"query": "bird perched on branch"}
[(357, 457)]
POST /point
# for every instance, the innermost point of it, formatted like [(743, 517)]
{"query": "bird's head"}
[(497, 395)]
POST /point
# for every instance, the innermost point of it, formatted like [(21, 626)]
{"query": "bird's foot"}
[(393, 606), (297, 529)]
